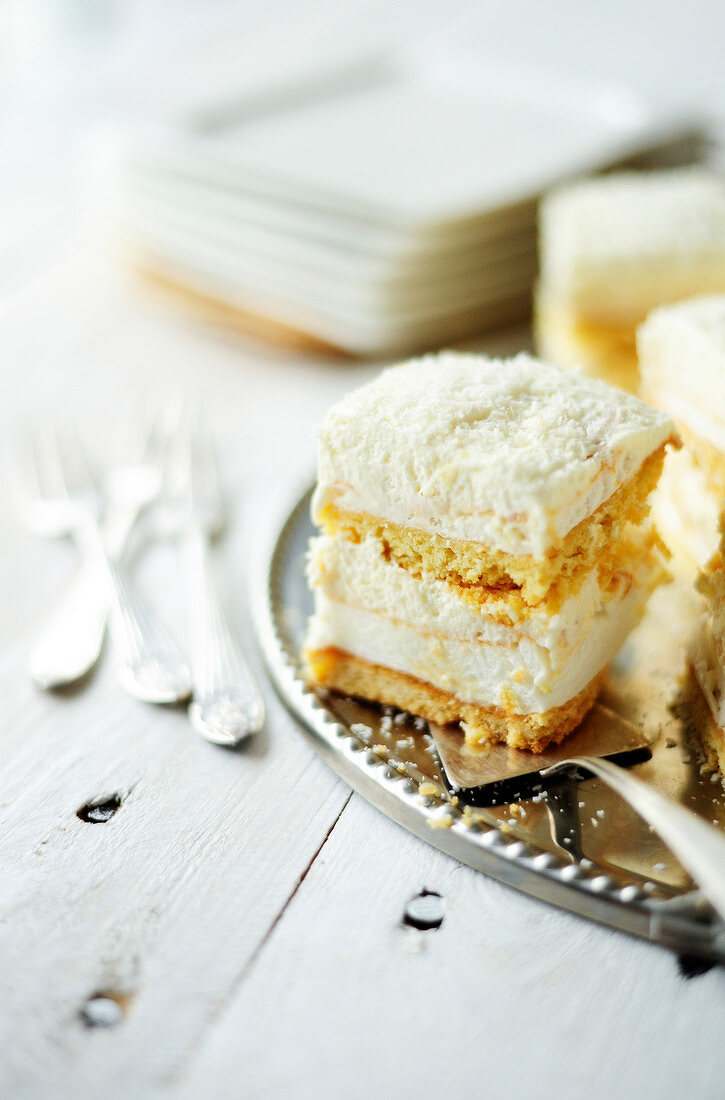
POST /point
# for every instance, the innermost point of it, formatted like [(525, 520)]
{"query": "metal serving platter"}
[(570, 842)]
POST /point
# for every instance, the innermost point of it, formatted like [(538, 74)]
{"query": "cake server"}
[(501, 774)]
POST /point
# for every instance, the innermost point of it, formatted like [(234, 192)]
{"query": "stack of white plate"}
[(384, 209)]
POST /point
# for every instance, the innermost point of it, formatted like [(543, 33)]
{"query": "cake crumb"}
[(428, 790), (443, 822)]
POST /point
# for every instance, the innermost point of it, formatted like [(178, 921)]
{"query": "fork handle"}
[(227, 705), (149, 665), (699, 846), (71, 641)]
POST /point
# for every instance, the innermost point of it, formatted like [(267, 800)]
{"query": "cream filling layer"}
[(522, 677), (358, 575)]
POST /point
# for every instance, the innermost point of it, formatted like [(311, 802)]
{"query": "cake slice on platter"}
[(615, 247), (682, 362), (483, 550)]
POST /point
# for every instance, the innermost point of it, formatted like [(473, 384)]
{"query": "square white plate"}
[(415, 142)]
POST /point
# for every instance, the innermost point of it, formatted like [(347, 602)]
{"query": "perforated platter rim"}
[(683, 923)]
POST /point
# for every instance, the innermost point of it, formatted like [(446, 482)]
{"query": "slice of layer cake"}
[(613, 248), (707, 660), (682, 361), (482, 554)]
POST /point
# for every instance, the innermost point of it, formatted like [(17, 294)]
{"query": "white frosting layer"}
[(378, 611), (618, 245), (682, 364), (509, 453)]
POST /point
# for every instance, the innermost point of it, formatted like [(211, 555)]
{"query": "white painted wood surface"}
[(243, 906)]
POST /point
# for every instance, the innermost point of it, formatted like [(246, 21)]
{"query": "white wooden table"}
[(243, 909)]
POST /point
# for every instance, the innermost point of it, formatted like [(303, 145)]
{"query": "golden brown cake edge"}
[(340, 671)]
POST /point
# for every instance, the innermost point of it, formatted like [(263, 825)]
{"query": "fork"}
[(71, 642), (227, 706), (699, 846), (64, 499)]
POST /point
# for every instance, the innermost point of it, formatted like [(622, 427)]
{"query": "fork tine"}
[(205, 466), (56, 461), (78, 472), (47, 466), (62, 470), (212, 467), (161, 426), (22, 471), (152, 442), (176, 411), (27, 467)]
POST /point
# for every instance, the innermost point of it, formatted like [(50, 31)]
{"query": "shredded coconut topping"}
[(512, 453)]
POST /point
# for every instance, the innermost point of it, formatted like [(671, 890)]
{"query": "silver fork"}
[(71, 642), (64, 498), (227, 706)]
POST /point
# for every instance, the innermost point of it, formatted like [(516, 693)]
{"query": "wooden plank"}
[(507, 997), (163, 904)]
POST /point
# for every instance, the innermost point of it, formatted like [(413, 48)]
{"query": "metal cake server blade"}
[(499, 773)]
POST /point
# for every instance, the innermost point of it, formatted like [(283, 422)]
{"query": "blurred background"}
[(91, 90)]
